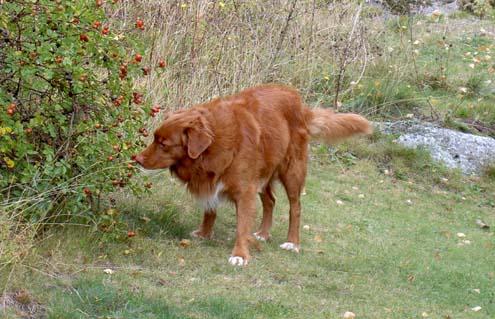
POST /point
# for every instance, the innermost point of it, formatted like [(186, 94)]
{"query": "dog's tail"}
[(330, 127)]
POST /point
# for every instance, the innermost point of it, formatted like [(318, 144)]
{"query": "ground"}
[(376, 242)]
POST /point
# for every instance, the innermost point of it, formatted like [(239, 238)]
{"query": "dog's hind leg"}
[(268, 201), (293, 180), (205, 230)]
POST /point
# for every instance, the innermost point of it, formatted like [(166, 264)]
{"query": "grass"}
[(390, 250)]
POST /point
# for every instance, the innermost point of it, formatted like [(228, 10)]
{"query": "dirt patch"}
[(23, 304)]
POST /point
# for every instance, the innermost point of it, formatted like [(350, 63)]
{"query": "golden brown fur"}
[(235, 148)]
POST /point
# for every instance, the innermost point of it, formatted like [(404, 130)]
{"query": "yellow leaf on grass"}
[(184, 243), (10, 163)]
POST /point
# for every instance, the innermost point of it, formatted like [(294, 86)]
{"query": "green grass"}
[(389, 251)]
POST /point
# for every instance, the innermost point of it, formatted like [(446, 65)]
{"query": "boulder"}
[(470, 153)]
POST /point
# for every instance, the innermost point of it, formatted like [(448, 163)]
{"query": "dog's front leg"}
[(246, 212), (205, 230)]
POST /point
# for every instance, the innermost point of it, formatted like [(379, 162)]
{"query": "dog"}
[(236, 147)]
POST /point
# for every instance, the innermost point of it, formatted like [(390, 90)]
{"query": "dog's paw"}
[(260, 237), (237, 261), (290, 246), (198, 234)]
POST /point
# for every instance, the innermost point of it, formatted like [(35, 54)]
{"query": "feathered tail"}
[(330, 127)]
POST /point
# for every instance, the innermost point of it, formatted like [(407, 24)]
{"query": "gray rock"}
[(470, 153)]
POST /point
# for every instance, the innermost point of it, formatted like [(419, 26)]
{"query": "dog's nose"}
[(139, 159)]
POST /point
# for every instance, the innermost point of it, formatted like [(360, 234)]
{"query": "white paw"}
[(237, 261), (260, 238), (290, 246)]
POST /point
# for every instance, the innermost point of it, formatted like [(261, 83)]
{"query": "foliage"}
[(69, 118), (478, 7), (403, 6)]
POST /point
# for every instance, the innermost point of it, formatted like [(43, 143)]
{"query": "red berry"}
[(59, 60), (97, 24), (140, 24), (60, 8), (99, 3), (138, 57), (115, 182), (152, 114), (10, 111), (110, 158), (87, 191), (145, 134), (122, 184), (83, 38), (12, 106), (116, 148), (29, 131), (161, 64), (146, 70), (131, 234), (149, 184), (97, 125), (75, 20), (130, 166), (133, 158), (105, 30), (129, 175)]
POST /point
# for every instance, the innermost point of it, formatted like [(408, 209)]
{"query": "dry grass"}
[(213, 50)]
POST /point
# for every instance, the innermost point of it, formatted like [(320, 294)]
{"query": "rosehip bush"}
[(69, 116)]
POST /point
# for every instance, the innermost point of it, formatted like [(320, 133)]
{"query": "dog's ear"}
[(199, 137)]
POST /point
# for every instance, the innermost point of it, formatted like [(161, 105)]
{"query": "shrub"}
[(69, 116)]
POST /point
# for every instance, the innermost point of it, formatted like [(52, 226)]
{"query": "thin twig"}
[(344, 57)]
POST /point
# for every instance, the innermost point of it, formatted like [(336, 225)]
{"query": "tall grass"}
[(215, 50)]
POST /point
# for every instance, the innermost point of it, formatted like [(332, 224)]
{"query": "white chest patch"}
[(211, 202)]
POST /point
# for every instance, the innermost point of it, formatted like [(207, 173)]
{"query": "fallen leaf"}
[(184, 243), (112, 212), (411, 278), (108, 271), (145, 219), (476, 309), (349, 315), (481, 224), (477, 291)]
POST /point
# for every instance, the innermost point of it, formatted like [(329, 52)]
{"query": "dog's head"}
[(184, 133)]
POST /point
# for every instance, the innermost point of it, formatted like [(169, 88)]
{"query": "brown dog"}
[(235, 148)]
